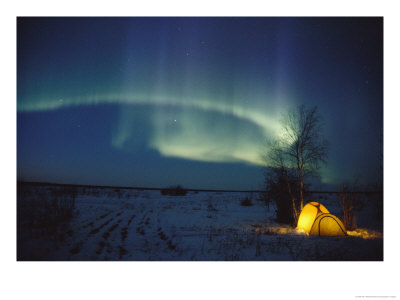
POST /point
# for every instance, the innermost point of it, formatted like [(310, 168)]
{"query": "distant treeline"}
[(185, 189)]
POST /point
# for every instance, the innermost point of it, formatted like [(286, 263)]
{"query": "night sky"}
[(154, 102)]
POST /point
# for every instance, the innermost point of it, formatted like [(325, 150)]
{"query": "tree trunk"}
[(295, 214), (301, 189)]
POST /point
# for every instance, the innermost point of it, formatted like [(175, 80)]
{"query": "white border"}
[(201, 280)]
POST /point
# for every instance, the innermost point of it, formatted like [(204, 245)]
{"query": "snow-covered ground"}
[(126, 224)]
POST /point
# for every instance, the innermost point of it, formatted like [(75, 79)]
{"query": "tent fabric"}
[(315, 219), (309, 213), (327, 225)]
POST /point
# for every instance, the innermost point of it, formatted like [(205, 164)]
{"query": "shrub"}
[(174, 191), (246, 202), (46, 208), (278, 193), (350, 202), (210, 206)]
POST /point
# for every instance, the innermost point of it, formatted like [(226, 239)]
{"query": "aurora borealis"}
[(192, 101)]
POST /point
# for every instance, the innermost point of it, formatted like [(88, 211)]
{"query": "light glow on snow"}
[(365, 234)]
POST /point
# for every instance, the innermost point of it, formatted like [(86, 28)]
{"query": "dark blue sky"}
[(160, 101)]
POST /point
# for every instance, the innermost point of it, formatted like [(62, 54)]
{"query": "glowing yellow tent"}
[(315, 219)]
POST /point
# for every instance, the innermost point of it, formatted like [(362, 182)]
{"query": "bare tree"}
[(279, 176), (301, 147), (350, 201)]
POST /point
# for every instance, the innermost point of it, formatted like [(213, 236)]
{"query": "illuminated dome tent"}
[(315, 219)]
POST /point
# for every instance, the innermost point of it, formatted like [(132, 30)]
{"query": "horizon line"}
[(183, 188)]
